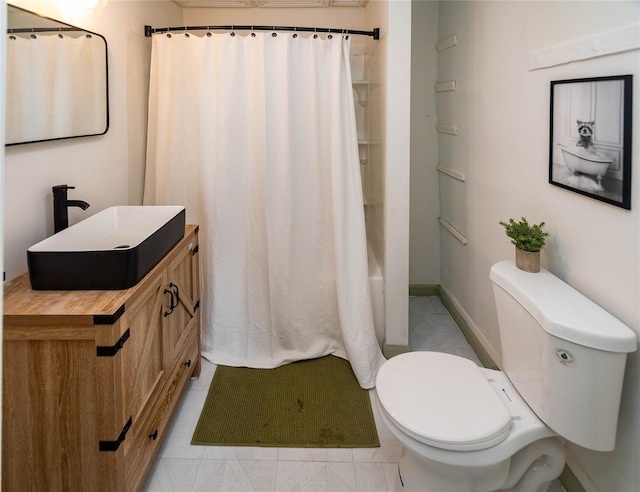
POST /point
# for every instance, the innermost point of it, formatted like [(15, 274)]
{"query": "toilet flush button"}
[(565, 357)]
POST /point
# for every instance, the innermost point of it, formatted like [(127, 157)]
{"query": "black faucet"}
[(61, 206)]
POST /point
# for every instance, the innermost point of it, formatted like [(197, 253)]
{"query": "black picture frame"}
[(590, 137)]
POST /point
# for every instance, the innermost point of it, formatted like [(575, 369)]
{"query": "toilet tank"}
[(563, 353)]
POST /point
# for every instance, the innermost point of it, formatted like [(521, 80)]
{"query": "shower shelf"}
[(361, 88), (363, 151)]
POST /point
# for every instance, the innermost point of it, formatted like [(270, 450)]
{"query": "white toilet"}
[(466, 428)]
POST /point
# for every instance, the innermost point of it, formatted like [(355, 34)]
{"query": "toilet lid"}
[(442, 400)]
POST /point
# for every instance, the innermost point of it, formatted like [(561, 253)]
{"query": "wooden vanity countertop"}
[(24, 306)]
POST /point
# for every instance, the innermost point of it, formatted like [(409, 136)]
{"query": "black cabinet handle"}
[(188, 363), (154, 435), (177, 293), (171, 305)]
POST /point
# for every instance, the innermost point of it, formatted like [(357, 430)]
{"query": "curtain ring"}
[(208, 34), (12, 37), (60, 36), (329, 36), (186, 34), (233, 34), (295, 36), (33, 36), (169, 35), (274, 34), (253, 34)]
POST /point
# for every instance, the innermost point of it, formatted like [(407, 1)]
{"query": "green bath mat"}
[(309, 404)]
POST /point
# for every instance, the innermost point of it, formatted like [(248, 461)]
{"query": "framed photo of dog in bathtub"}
[(590, 137)]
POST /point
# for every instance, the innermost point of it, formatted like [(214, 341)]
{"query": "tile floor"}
[(182, 467)]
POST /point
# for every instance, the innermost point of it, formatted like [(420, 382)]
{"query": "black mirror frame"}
[(69, 27)]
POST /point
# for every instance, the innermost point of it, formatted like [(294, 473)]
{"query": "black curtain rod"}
[(43, 29), (375, 33)]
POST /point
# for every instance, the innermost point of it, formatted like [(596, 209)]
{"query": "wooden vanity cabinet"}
[(91, 378)]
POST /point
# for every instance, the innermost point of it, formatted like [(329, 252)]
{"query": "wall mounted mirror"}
[(56, 80)]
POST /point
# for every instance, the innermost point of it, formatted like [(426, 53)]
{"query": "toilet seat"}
[(442, 400)]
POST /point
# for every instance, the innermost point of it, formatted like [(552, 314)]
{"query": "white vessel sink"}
[(110, 250)]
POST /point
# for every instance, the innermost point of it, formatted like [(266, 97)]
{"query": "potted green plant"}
[(528, 240)]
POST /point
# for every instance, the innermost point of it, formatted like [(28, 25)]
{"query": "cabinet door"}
[(143, 368), (184, 284)]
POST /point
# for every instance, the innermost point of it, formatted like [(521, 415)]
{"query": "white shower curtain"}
[(256, 136)]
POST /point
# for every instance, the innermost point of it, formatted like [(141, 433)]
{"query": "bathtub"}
[(376, 285), (580, 160)]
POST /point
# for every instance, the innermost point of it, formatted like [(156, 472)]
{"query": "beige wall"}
[(424, 236), (106, 170), (501, 109)]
